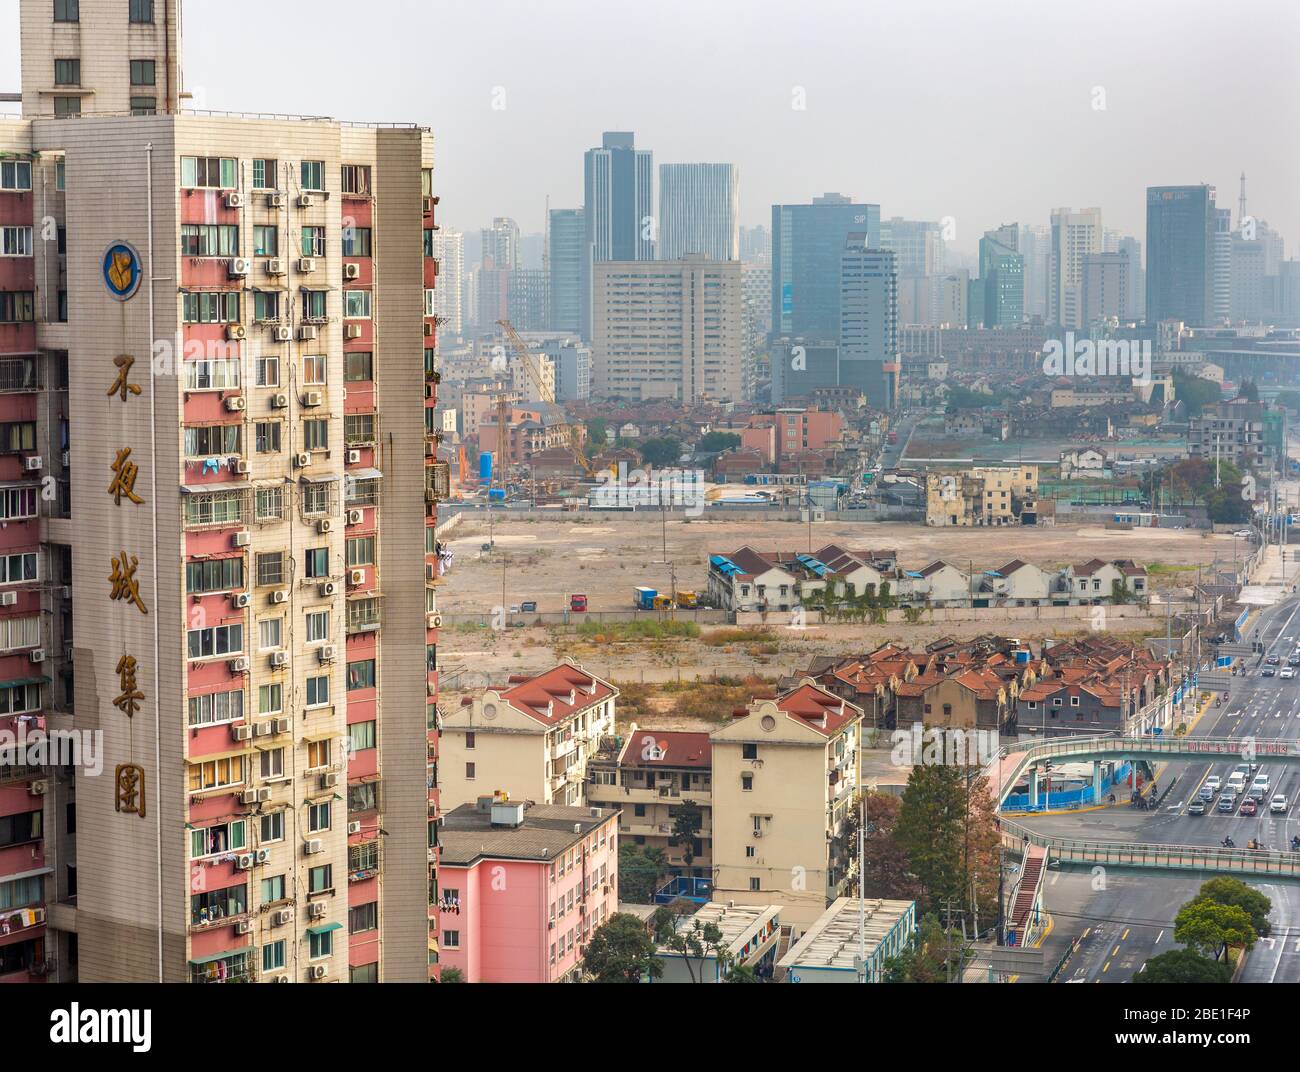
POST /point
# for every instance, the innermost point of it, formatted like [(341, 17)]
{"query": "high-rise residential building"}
[(1180, 254), (1034, 244), (499, 244), (447, 247), (918, 245), (618, 208), (699, 211), (807, 244), (1221, 283), (1246, 286), (1074, 236), (528, 299), (1002, 275), (1137, 286), (669, 329), (868, 334), (236, 564), (1106, 289), (566, 243), (756, 245), (571, 359)]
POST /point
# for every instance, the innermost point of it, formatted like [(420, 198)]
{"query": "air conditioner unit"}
[(248, 796), (329, 588), (242, 539), (241, 733), (67, 458), (234, 200), (275, 266), (311, 398), (37, 655), (279, 658), (243, 466), (318, 971), (39, 788), (356, 577), (311, 848), (236, 331), (239, 266), (262, 729), (280, 918), (8, 599), (280, 725), (428, 329), (325, 524), (33, 462), (275, 200), (327, 653), (352, 331), (433, 621), (65, 592), (235, 403), (351, 271), (245, 861), (426, 205), (354, 828), (280, 400), (329, 781), (758, 833), (281, 979), (302, 459), (355, 517), (263, 795), (242, 599), (307, 332), (282, 333), (280, 597), (263, 855), (240, 665), (304, 200), (306, 265), (244, 926)]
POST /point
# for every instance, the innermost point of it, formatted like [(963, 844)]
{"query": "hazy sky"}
[(983, 111)]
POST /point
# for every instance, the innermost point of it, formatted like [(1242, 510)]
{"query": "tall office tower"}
[(699, 211), (1002, 273), (235, 565), (1246, 302), (528, 299), (954, 289), (669, 329), (499, 245), (1035, 245), (1074, 236), (567, 228), (1106, 289), (918, 243), (756, 245), (618, 208), (491, 299), (1137, 289), (868, 334), (1221, 283), (1180, 254), (807, 244), (448, 249)]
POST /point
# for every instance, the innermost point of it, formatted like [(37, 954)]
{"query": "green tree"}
[(450, 975), (661, 452), (640, 869), (1209, 928), (888, 870), (621, 951), (1232, 891), (1248, 391), (716, 442), (688, 820), (597, 433), (1183, 966), (932, 956), (1195, 392)]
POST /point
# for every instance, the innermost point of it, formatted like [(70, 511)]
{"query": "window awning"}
[(365, 474), (312, 738), (204, 489), (220, 956), (325, 928), (23, 681), (29, 874), (210, 757), (319, 478)]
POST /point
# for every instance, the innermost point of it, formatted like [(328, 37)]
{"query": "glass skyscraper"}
[(1180, 254)]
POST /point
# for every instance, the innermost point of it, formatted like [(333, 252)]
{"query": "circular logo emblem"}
[(121, 270)]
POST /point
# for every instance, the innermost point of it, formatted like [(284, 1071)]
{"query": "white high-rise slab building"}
[(448, 249), (1074, 236), (699, 211)]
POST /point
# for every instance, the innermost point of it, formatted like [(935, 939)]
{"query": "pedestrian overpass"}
[(1006, 770), (1087, 852)]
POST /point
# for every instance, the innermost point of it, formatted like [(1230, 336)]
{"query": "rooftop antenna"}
[(1241, 201)]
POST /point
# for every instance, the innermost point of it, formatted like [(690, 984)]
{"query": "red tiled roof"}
[(558, 693), (667, 748)]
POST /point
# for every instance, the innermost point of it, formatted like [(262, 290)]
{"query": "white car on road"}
[(1278, 804), (1287, 672)]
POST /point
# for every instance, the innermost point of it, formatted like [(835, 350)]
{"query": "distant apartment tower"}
[(447, 247), (868, 334), (1034, 243), (807, 244), (1002, 275), (499, 244), (756, 245), (565, 257), (1221, 284), (618, 208), (669, 329), (1106, 287), (1180, 254), (1074, 236), (699, 211), (918, 245), (239, 550), (1137, 286), (571, 359), (528, 299)]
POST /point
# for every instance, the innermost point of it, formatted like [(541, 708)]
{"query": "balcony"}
[(437, 482)]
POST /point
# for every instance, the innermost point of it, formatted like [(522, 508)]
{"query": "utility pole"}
[(862, 885)]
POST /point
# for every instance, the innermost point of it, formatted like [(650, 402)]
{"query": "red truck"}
[(893, 437), (578, 603)]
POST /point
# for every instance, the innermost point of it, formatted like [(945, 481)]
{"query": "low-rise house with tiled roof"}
[(784, 774), (1017, 584), (1095, 580), (663, 782), (750, 580), (532, 739), (940, 584)]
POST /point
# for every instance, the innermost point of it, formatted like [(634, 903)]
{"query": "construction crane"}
[(547, 393)]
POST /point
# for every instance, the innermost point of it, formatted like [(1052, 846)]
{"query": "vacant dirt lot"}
[(547, 560)]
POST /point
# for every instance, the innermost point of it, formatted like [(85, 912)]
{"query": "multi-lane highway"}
[(1122, 919)]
